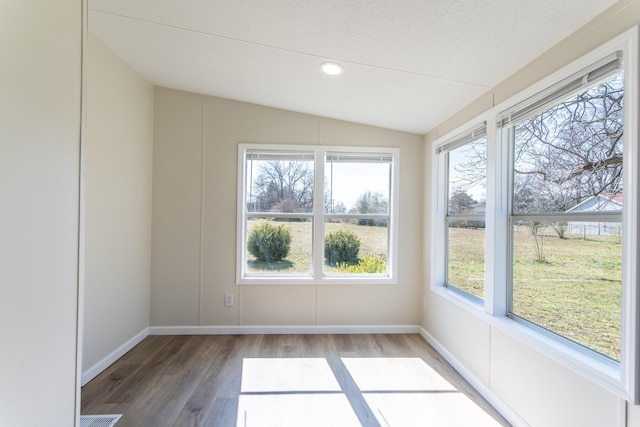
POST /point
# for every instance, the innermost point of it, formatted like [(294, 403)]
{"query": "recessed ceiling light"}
[(332, 68)]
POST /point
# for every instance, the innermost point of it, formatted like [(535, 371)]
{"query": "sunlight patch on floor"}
[(398, 391), (295, 410), (395, 374), (432, 409), (295, 374)]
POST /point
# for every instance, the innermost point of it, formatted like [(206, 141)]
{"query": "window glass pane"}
[(279, 182), (467, 178), (267, 243), (465, 256), (567, 278), (466, 195), (357, 187), (569, 157), (356, 246)]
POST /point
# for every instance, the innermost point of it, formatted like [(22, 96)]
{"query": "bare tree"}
[(371, 202), (473, 171), (560, 228), (284, 186), (460, 202), (563, 155), (571, 151), (538, 237)]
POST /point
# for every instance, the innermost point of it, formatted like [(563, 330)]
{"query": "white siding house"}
[(599, 203)]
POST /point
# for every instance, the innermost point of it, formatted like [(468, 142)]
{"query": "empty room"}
[(287, 213)]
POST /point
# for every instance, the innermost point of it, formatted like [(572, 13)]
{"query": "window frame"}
[(444, 150), (318, 217), (622, 378)]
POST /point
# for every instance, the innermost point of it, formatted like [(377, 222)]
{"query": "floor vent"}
[(99, 420)]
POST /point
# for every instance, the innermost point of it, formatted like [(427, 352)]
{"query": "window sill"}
[(327, 281)]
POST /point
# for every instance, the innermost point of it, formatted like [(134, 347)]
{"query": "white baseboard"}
[(311, 329), (509, 414), (93, 371)]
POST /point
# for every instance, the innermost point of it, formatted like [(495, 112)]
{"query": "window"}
[(561, 225), (466, 176), (567, 199), (316, 214), (357, 194)]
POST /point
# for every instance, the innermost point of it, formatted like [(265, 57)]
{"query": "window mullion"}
[(439, 223), (457, 217), (241, 209), (601, 216), (497, 267), (318, 215)]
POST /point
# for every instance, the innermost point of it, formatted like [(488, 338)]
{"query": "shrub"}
[(341, 247), (268, 242), (367, 264)]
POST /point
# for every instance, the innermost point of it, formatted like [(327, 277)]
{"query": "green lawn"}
[(466, 260), (373, 240), (575, 290)]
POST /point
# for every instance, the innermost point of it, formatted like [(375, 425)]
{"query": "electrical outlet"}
[(228, 300)]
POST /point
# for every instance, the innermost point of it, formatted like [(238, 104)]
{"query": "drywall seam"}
[(202, 208)]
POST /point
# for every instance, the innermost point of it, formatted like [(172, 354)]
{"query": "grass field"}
[(466, 260), (574, 291), (373, 240)]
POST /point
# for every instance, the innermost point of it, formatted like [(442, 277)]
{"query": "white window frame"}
[(621, 378), (443, 151), (318, 217)]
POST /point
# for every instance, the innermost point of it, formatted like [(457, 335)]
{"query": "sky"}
[(478, 191), (350, 180)]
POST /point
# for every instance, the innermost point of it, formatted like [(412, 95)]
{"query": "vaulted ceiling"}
[(408, 64)]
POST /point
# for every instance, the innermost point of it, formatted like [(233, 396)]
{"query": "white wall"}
[(118, 207), (539, 390), (40, 118), (194, 219)]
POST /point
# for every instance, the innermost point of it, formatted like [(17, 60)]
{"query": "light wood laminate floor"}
[(298, 380)]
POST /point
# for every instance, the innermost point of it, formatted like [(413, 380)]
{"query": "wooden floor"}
[(196, 380)]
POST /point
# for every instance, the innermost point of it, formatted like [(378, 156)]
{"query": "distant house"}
[(599, 203), (479, 209)]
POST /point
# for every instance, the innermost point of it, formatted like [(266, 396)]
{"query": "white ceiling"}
[(409, 64)]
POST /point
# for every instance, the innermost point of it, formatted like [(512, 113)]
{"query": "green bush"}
[(268, 242), (367, 264), (341, 247)]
